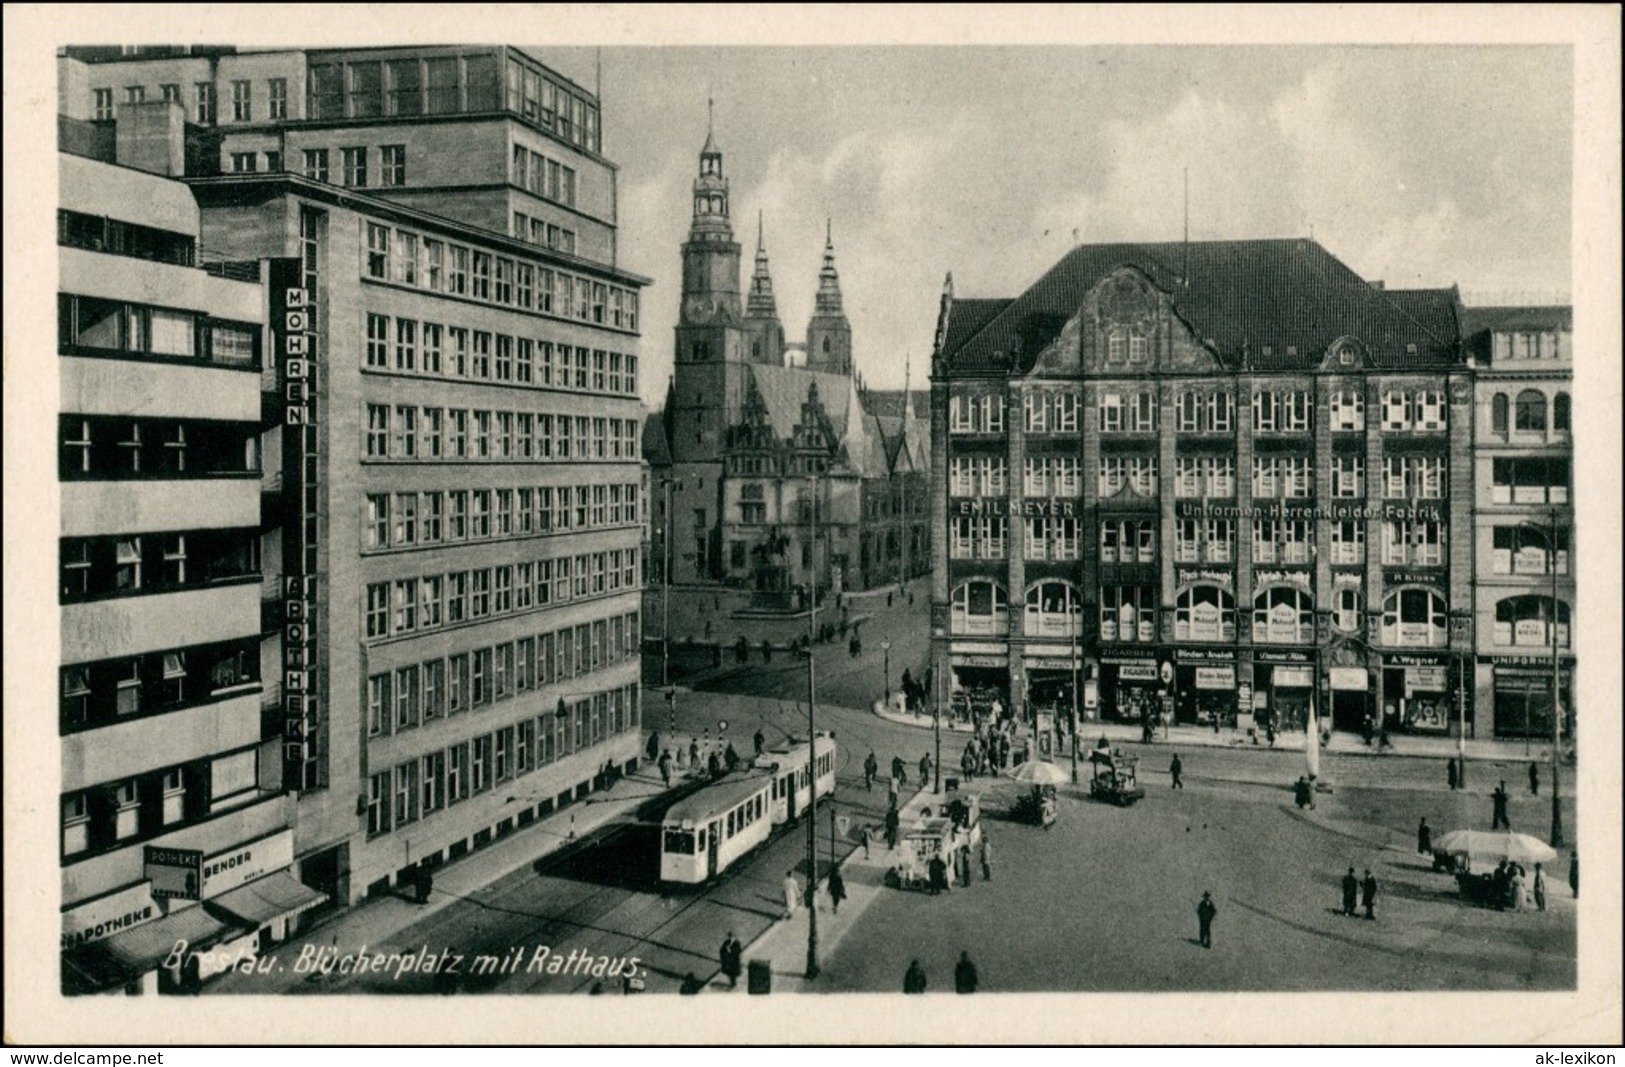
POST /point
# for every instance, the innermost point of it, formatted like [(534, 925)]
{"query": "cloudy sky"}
[(1421, 166)]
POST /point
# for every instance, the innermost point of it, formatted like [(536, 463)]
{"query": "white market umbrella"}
[(1496, 845), (1039, 772)]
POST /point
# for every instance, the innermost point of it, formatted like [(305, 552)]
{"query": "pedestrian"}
[(1574, 873), (1175, 769), (925, 768), (1540, 889), (425, 884), (653, 747), (730, 757), (693, 752), (1368, 895), (898, 770), (792, 893), (731, 953), (1424, 837), (1498, 800), (1300, 792), (1351, 892), (1502, 881), (914, 979), (837, 890), (1534, 778), (965, 976), (938, 872), (908, 686), (713, 763), (871, 767), (1205, 911), (863, 839), (892, 822), (1516, 887), (962, 865), (760, 740), (987, 859), (1450, 772), (665, 768)]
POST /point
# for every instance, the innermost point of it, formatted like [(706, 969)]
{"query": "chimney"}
[(152, 137)]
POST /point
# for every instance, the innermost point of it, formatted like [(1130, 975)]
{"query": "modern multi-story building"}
[(451, 430), (175, 822), (780, 478), (1523, 535), (1215, 479)]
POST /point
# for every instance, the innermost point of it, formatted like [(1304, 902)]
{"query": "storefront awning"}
[(273, 897), (129, 954)]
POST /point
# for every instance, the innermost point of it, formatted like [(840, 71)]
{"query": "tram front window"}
[(680, 842)]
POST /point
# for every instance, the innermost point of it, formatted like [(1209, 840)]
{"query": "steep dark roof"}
[(888, 403), (1289, 295), (656, 450), (1544, 317)]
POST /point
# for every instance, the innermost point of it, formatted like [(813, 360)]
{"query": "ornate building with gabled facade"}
[(771, 476)]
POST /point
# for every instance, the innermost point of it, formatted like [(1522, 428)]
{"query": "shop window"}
[(1414, 618), (1284, 615), (1205, 613), (1053, 610), (979, 608), (1527, 621), (1528, 550)]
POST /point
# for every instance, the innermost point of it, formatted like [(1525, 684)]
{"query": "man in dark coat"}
[(653, 747), (1424, 838), (1175, 769), (760, 741), (898, 771), (1498, 800), (892, 823), (1205, 911), (914, 979), (1574, 873), (925, 768), (965, 976), (871, 767), (713, 763), (425, 884), (1351, 891), (837, 891), (731, 757), (1450, 772), (1368, 895), (938, 872), (1534, 778), (665, 768), (732, 955)]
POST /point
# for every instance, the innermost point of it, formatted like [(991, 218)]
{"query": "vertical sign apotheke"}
[(292, 329)]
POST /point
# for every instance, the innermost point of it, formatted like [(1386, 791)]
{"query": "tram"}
[(706, 833)]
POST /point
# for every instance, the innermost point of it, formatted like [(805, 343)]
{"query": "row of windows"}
[(1273, 411), (1530, 345), (409, 258), (409, 346), (544, 234), (1421, 542), (434, 85), (88, 324), (1529, 480), (95, 567), (536, 98), (420, 787), (398, 520), (413, 605), (408, 432), (354, 170), (121, 813), (1527, 413), (203, 100), (95, 694), (96, 447), (410, 696), (75, 229), (547, 178)]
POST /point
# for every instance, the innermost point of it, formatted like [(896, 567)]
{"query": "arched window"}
[(1561, 416), (826, 346), (1530, 411), (1053, 610), (1205, 613), (979, 608), (1283, 615), (1414, 618), (1346, 610), (1499, 407), (1527, 621)]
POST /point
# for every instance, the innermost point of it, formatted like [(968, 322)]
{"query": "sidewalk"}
[(373, 922), (1342, 744), (784, 944)]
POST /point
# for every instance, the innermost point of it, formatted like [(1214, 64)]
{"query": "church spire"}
[(828, 301), (760, 303)]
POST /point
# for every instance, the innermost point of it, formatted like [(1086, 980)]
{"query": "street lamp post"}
[(665, 607), (1549, 531), (885, 692), (812, 746)]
